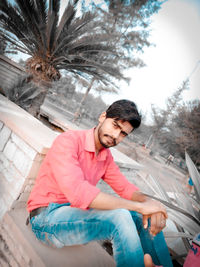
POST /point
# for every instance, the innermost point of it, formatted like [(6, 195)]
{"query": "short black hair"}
[(125, 110)]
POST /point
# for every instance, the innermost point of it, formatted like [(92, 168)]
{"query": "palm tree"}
[(71, 43)]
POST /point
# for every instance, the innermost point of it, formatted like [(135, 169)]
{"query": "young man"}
[(66, 207)]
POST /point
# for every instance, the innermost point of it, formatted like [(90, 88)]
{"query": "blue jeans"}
[(61, 225)]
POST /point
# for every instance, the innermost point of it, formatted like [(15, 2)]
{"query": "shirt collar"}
[(90, 146)]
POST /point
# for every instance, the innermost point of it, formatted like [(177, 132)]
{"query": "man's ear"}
[(102, 117)]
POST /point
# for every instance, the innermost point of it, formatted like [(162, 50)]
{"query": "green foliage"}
[(92, 107), (187, 122), (129, 21), (162, 117), (194, 174), (2, 46), (64, 95), (64, 88), (183, 132), (23, 92), (164, 128)]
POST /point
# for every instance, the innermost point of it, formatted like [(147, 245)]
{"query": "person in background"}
[(66, 208), (190, 185), (169, 160)]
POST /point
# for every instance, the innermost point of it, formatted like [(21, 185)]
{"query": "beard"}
[(101, 136)]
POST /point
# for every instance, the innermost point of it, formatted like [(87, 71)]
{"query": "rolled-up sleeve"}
[(65, 169), (117, 180)]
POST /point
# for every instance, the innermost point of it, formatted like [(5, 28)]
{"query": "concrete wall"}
[(24, 142), (17, 162)]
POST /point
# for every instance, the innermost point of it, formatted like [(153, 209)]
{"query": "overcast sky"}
[(175, 56)]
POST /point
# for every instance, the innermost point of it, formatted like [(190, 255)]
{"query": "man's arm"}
[(108, 202), (149, 208)]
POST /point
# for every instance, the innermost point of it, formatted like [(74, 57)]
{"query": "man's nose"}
[(116, 133)]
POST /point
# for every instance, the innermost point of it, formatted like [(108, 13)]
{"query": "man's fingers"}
[(148, 261), (164, 211), (162, 221), (165, 214), (153, 224), (145, 221), (151, 206), (159, 207), (158, 222)]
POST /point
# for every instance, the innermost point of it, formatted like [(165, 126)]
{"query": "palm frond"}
[(14, 25), (41, 8), (195, 204), (23, 92), (158, 189), (182, 198), (74, 31), (175, 209), (79, 70), (66, 19), (30, 92), (14, 42), (178, 234), (190, 224), (41, 22), (26, 10), (183, 209), (52, 22), (194, 175)]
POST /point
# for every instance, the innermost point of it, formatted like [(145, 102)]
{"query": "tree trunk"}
[(38, 101), (42, 69), (77, 114)]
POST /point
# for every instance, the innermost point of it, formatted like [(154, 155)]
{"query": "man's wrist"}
[(137, 206)]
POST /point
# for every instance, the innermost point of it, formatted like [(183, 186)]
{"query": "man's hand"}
[(158, 222), (151, 209), (148, 261), (151, 206)]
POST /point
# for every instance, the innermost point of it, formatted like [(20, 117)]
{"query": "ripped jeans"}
[(61, 225)]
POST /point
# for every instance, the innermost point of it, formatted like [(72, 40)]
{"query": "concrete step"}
[(29, 251)]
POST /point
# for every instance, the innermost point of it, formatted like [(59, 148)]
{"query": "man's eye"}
[(124, 134)]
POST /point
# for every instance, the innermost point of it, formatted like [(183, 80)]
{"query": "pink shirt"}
[(71, 170)]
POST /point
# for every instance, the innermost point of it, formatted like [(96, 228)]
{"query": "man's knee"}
[(137, 218), (121, 217)]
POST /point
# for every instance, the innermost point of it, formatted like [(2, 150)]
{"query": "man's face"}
[(111, 131)]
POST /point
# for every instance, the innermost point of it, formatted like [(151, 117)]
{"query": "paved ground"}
[(166, 175)]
